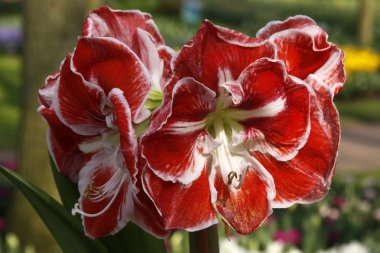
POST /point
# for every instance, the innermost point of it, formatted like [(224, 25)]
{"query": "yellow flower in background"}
[(361, 59)]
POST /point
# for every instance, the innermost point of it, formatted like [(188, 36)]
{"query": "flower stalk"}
[(204, 241)]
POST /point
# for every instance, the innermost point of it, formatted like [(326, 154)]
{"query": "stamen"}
[(239, 180), (98, 193), (231, 177)]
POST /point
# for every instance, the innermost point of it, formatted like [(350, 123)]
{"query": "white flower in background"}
[(231, 246), (275, 247), (294, 250), (332, 250), (376, 214), (353, 247)]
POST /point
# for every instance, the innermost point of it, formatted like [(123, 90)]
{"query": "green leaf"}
[(68, 191), (140, 240), (66, 229), (130, 239)]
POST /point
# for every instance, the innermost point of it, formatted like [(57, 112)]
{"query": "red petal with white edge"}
[(46, 93), (147, 217), (63, 145), (244, 209), (106, 200), (274, 110), (332, 73), (128, 138), (146, 214), (216, 55), (174, 149), (110, 64), (121, 25), (304, 48), (296, 22), (79, 104), (182, 206), (307, 177), (166, 54), (150, 57)]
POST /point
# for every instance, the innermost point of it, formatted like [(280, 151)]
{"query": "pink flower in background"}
[(3, 224), (240, 131), (339, 202), (91, 106), (10, 164), (292, 236)]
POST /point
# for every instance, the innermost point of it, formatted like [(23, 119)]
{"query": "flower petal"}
[(273, 27), (128, 138), (79, 104), (110, 64), (173, 148), (274, 110), (121, 25), (216, 53), (106, 195), (63, 145), (304, 48), (244, 209), (146, 214), (182, 206), (166, 54), (46, 93), (147, 217), (307, 177)]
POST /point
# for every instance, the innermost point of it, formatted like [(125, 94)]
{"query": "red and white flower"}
[(138, 31), (237, 134), (302, 45), (92, 106)]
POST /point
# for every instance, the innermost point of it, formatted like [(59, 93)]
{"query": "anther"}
[(231, 177)]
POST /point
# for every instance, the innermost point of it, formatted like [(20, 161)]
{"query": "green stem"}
[(204, 241)]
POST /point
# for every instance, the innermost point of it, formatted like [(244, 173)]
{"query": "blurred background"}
[(35, 35)]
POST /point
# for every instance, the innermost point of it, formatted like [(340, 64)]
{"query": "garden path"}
[(360, 147)]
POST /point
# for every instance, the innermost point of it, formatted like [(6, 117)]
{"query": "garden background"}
[(35, 35)]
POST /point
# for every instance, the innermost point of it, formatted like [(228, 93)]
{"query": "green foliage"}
[(131, 237), (363, 110), (68, 230), (65, 228), (10, 70), (361, 85)]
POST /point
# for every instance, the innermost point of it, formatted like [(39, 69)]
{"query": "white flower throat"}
[(222, 125)]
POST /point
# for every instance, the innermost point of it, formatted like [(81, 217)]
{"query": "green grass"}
[(367, 110), (10, 71)]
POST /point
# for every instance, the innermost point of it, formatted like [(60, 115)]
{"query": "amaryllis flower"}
[(138, 31), (237, 134), (91, 106), (304, 48)]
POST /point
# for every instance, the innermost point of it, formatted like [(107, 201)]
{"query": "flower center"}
[(222, 125), (154, 99)]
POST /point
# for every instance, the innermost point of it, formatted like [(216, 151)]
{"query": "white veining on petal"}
[(224, 75), (269, 110), (187, 127), (151, 58)]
